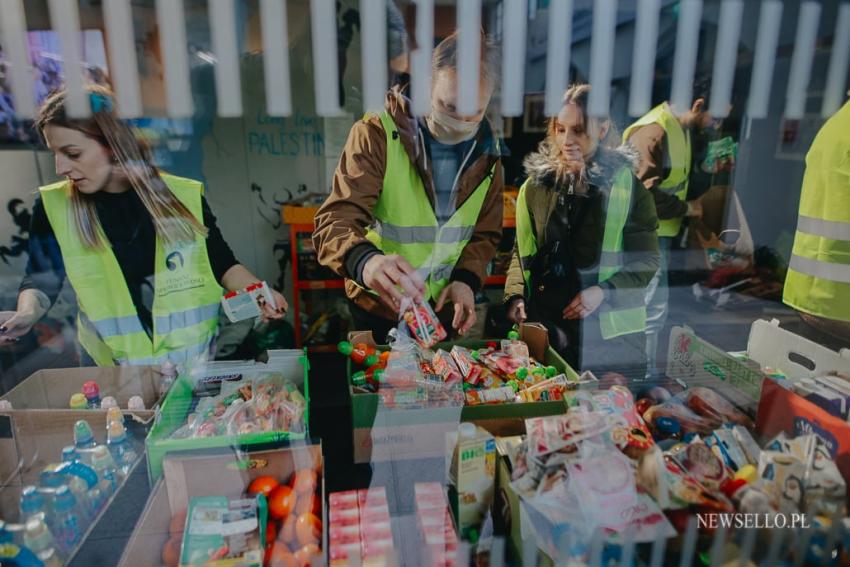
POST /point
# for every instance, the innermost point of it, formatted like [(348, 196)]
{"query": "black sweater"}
[(130, 231)]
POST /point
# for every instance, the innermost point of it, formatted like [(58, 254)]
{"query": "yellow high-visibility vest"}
[(406, 224), (186, 294), (818, 278), (627, 313), (679, 147)]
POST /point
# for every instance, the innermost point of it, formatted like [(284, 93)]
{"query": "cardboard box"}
[(780, 409), (219, 472), (33, 434), (696, 362), (384, 434), (177, 405)]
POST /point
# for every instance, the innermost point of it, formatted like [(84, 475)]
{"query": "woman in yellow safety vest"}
[(586, 243), (140, 248)]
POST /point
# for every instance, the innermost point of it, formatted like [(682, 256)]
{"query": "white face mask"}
[(449, 130)]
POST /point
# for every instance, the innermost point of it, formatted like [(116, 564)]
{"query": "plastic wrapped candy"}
[(629, 431), (423, 323), (689, 421), (708, 403)]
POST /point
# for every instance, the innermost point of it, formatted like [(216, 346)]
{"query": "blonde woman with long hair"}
[(141, 248), (586, 243)]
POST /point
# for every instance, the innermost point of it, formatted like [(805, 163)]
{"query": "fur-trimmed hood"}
[(545, 168)]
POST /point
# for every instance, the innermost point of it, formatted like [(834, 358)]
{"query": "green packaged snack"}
[(221, 532)]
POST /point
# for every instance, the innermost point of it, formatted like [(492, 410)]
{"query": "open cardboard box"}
[(695, 362), (33, 434), (219, 472), (180, 401), (384, 434)]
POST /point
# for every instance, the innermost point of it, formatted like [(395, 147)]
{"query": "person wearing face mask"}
[(671, 146), (141, 248), (416, 203), (586, 243)]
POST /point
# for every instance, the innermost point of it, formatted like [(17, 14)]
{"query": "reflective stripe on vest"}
[(186, 295), (679, 148), (624, 317), (818, 278), (405, 223)]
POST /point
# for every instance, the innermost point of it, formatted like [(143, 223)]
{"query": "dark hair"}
[(445, 57), (578, 94), (173, 221)]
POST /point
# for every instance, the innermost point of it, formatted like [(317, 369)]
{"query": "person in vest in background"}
[(416, 203), (817, 284), (670, 144), (140, 248), (586, 244)]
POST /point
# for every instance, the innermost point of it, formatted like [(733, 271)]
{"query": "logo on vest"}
[(172, 261)]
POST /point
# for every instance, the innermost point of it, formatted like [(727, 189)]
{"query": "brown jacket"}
[(343, 219), (651, 143)]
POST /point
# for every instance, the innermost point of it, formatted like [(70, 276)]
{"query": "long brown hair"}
[(172, 220)]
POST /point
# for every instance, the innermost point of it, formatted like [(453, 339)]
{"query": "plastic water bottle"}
[(39, 540), (121, 448), (169, 373), (68, 530), (92, 393), (32, 503), (70, 454), (11, 533), (80, 478), (114, 414), (83, 436), (104, 466)]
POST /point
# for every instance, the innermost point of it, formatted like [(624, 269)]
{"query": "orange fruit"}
[(308, 528), (304, 481), (263, 485), (171, 552), (282, 501), (304, 556)]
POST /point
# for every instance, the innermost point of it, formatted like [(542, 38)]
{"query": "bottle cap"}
[(108, 403), (91, 389), (514, 385), (82, 433), (37, 537), (551, 371), (70, 454), (538, 371), (78, 401), (5, 405), (475, 355), (32, 500), (114, 414), (467, 430), (371, 360), (101, 458), (168, 369), (49, 478), (115, 432), (136, 403), (345, 348), (358, 378), (64, 499), (513, 335), (522, 373)]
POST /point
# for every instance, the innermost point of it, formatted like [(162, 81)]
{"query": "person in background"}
[(817, 284), (416, 203), (140, 247), (670, 144), (586, 244)]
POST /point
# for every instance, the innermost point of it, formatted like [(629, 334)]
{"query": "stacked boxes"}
[(359, 528), (439, 539)]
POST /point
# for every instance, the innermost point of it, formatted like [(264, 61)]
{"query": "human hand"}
[(269, 313), (383, 273), (463, 299), (14, 325), (694, 209), (584, 303), (516, 311)]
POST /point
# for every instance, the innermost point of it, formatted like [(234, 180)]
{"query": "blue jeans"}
[(656, 305)]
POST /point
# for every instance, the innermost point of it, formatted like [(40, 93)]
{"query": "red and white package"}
[(469, 368), (247, 302)]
